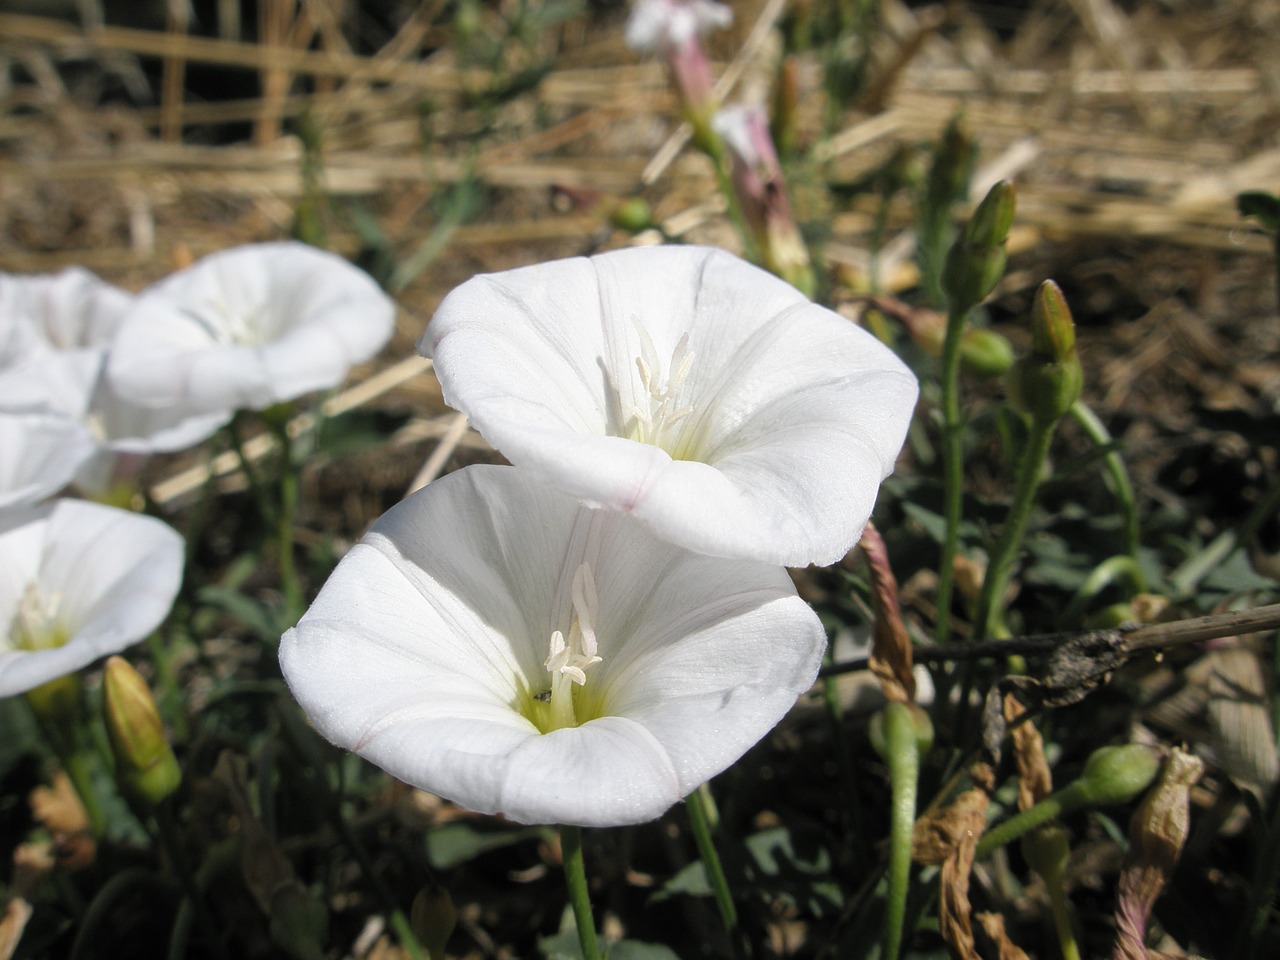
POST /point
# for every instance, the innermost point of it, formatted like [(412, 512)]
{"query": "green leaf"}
[(1263, 206), (564, 946), (457, 842)]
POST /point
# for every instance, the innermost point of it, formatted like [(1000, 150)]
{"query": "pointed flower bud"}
[(145, 765), (976, 261), (1048, 381)]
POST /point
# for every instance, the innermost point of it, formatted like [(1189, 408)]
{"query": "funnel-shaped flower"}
[(39, 454), (494, 642), (79, 581), (249, 327), (671, 29), (58, 329), (702, 395)]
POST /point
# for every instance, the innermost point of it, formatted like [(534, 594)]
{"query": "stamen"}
[(655, 425), (569, 659), (35, 625)]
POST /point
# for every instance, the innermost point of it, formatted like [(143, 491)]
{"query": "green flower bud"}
[(920, 724), (1046, 382), (975, 263), (57, 701), (632, 215), (145, 765), (1046, 851), (985, 353), (952, 166), (1116, 774)]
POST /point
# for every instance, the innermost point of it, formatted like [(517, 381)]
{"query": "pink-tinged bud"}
[(671, 29), (145, 765), (762, 194), (1046, 382)]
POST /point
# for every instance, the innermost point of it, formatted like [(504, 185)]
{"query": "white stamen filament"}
[(568, 659), (653, 419), (35, 624)]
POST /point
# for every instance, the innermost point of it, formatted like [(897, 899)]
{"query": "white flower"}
[(79, 581), (247, 328), (702, 395), (495, 643), (663, 25), (39, 454), (57, 331)]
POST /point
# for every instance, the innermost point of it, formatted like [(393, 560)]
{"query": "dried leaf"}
[(891, 646), (1035, 782), (1156, 834), (950, 836), (16, 914), (58, 807), (993, 927)]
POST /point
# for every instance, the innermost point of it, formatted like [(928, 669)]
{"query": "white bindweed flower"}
[(498, 644), (248, 328), (39, 454), (702, 395), (59, 328), (79, 581), (656, 26)]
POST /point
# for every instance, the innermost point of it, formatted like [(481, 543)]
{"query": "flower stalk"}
[(901, 732), (700, 824), (575, 876), (973, 268)]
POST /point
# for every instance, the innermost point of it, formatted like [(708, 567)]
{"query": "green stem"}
[(700, 821), (902, 751), (289, 584), (1050, 808), (1061, 919), (1122, 487), (575, 876), (1001, 563), (952, 469)]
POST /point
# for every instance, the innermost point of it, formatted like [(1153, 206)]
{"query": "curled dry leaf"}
[(1156, 834), (58, 807), (1035, 782), (993, 927), (950, 836), (891, 647)]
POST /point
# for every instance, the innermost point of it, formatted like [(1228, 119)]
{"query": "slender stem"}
[(289, 584), (952, 468), (1061, 919), (700, 821), (1047, 809), (575, 876), (1123, 488), (902, 751), (1001, 563)]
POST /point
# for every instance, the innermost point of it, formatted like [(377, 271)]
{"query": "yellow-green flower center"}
[(36, 624), (568, 659)]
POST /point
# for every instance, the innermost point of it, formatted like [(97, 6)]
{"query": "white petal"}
[(39, 454), (796, 414), (424, 643), (247, 328), (113, 573)]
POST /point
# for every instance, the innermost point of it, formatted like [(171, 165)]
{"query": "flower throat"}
[(569, 658)]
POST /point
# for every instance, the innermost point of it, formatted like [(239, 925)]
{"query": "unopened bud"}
[(985, 353), (432, 919), (976, 261), (632, 215), (1046, 382), (1046, 851), (56, 701), (952, 166), (909, 714), (145, 765), (1117, 774)]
